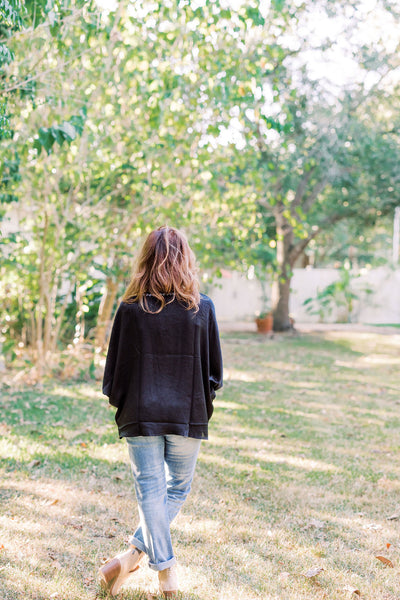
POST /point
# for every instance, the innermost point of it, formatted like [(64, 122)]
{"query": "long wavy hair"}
[(166, 270)]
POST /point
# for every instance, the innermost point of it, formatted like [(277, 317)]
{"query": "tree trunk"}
[(280, 303), (281, 284), (51, 297), (105, 312), (40, 307), (2, 362), (60, 318)]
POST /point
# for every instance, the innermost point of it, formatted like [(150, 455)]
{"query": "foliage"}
[(10, 21), (351, 240), (337, 295), (310, 159), (193, 114), (65, 132)]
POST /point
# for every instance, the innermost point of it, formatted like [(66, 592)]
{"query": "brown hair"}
[(166, 266)]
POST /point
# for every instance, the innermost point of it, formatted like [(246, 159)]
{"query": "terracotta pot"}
[(265, 324)]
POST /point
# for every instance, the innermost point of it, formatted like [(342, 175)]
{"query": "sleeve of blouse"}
[(215, 354), (112, 356)]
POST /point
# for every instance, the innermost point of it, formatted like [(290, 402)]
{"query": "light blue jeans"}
[(163, 468)]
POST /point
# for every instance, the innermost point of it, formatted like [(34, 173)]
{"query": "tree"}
[(36, 298), (202, 115), (309, 157), (107, 153)]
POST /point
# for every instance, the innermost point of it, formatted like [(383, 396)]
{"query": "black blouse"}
[(162, 369)]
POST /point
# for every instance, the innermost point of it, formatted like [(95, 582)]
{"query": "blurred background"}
[(268, 131)]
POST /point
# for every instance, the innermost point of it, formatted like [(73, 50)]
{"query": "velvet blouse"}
[(162, 370)]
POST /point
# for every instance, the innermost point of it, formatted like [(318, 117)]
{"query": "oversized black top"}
[(162, 369)]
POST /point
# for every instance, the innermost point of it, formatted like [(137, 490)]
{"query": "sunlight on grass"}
[(365, 361), (308, 385), (64, 392), (239, 375), (14, 525), (281, 366), (377, 359), (297, 461), (228, 405), (207, 527), (300, 470), (223, 462)]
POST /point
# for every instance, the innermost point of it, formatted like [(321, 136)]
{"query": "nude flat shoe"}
[(168, 580), (115, 572)]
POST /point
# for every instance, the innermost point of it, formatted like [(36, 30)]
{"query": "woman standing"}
[(163, 366)]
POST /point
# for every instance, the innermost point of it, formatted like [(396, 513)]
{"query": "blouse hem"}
[(197, 431)]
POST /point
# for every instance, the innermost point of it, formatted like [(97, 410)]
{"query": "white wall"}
[(236, 298)]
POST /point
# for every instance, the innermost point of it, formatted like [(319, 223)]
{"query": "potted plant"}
[(265, 319), (261, 256), (265, 322)]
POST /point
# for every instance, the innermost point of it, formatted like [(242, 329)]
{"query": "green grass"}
[(301, 470), (385, 325)]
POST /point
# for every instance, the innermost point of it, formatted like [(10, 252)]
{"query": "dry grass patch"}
[(292, 495)]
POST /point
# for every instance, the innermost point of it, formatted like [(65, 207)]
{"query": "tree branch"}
[(298, 248), (301, 188), (38, 77), (319, 187)]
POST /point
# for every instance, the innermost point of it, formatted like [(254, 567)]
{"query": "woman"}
[(163, 366)]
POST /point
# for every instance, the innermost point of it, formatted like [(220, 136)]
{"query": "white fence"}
[(377, 294)]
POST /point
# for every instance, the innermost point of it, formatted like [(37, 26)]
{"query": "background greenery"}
[(201, 115)]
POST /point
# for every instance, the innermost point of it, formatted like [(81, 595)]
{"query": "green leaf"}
[(278, 5), (46, 138), (68, 130)]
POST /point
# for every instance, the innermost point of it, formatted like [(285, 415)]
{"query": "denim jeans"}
[(163, 468)]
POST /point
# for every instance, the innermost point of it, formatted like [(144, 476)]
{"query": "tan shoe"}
[(114, 573), (168, 580)]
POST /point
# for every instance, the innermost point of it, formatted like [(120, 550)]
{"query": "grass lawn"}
[(301, 473)]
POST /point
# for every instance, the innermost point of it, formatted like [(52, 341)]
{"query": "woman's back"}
[(163, 368)]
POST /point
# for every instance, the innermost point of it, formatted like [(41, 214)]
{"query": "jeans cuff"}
[(156, 567), (163, 565), (138, 544)]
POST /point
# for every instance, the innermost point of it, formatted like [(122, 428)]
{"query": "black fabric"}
[(162, 369)]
